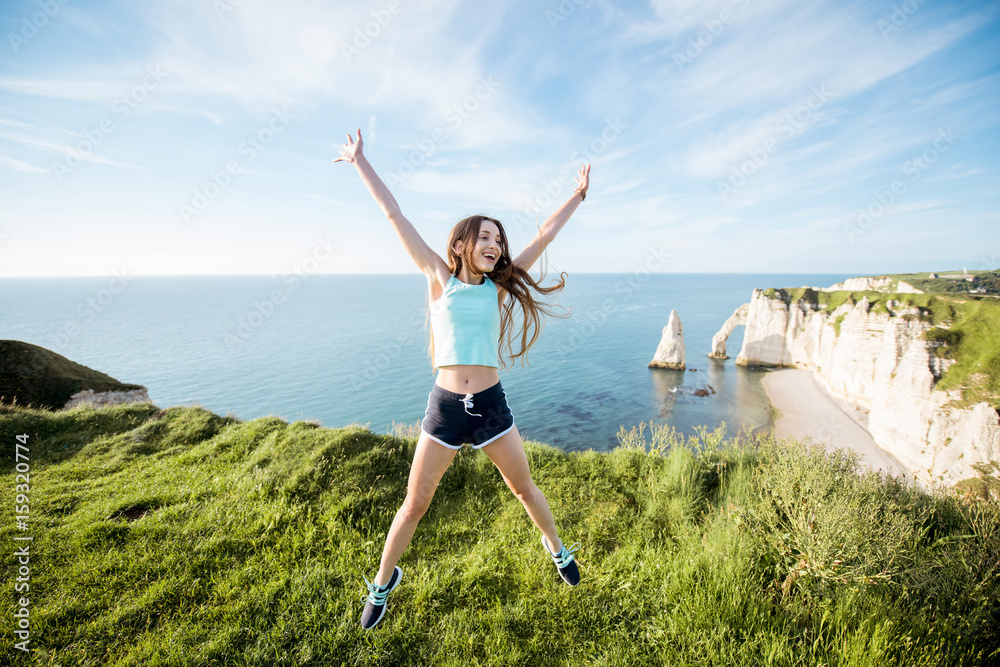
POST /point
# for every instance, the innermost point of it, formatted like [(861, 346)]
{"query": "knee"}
[(526, 492), (414, 508)]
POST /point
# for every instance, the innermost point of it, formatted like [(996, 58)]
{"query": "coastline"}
[(807, 410)]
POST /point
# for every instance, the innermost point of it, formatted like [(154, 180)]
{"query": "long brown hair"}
[(512, 278)]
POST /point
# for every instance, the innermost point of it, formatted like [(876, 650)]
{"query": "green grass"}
[(972, 340), (988, 279), (250, 540)]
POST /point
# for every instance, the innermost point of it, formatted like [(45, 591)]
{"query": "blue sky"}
[(732, 136)]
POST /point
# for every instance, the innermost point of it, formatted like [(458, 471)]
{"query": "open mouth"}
[(490, 256)]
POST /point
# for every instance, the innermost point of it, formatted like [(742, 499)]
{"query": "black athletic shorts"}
[(453, 419)]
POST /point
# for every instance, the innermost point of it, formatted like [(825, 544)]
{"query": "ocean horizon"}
[(352, 348)]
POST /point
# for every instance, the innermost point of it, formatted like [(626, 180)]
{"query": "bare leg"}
[(430, 461), (507, 454)]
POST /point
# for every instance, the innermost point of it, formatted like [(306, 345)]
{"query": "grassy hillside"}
[(950, 281), (33, 376), (180, 537)]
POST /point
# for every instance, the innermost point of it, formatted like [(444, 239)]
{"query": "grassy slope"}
[(259, 532), (952, 284), (975, 320), (941, 285), (33, 376)]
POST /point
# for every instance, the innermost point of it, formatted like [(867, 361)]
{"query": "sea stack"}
[(670, 352)]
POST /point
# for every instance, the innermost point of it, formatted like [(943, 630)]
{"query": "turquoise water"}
[(345, 349)]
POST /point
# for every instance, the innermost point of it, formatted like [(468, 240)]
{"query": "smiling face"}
[(477, 246), (488, 249), (488, 246)]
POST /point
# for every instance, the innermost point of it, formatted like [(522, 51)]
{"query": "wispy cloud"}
[(18, 165), (479, 108)]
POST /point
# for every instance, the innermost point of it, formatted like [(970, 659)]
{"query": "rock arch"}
[(738, 318)]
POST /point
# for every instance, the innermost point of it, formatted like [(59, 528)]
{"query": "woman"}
[(467, 403)]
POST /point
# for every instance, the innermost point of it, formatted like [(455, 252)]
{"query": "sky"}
[(749, 136)]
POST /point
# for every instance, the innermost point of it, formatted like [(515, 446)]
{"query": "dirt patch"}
[(132, 513)]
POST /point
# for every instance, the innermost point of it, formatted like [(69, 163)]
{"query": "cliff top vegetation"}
[(950, 282), (33, 376), (178, 536)]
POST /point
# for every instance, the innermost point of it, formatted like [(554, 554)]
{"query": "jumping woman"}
[(470, 315)]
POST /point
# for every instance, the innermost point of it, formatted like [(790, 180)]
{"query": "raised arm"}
[(428, 261), (555, 222)]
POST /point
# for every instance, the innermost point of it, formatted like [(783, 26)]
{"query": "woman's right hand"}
[(351, 150)]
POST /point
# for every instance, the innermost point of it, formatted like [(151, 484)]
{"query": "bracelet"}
[(583, 193)]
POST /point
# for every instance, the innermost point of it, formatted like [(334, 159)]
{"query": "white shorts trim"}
[(505, 432), (440, 441), (479, 446)]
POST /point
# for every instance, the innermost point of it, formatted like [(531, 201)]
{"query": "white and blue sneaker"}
[(565, 562), (375, 600)]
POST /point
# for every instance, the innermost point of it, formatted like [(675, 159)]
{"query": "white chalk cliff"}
[(882, 363), (670, 351)]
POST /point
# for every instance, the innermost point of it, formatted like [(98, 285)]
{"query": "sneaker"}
[(375, 600), (565, 562)]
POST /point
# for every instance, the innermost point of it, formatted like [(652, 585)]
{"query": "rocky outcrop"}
[(880, 362), (670, 351), (738, 318), (100, 399)]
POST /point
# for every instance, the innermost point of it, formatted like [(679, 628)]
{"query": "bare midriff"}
[(466, 379)]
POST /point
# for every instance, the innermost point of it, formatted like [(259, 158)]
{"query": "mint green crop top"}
[(465, 323)]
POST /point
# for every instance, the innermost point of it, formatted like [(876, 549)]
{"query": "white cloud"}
[(18, 165), (414, 87)]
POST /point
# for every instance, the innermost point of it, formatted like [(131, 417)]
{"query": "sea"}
[(353, 349)]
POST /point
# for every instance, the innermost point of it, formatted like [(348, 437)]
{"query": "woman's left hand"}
[(583, 179), (351, 150)]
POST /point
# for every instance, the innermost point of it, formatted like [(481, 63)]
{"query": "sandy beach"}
[(806, 410)]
